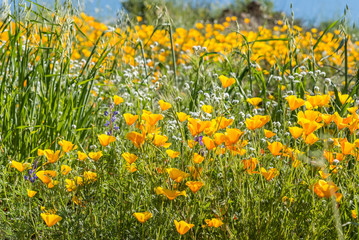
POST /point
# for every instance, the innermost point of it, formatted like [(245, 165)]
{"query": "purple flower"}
[(115, 113), (105, 113), (109, 133), (107, 123), (113, 119), (199, 139)]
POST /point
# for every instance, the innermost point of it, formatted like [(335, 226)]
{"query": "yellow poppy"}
[(194, 185), (164, 105), (176, 174), (20, 166), (142, 217), (130, 119), (50, 219), (117, 100), (65, 169), (270, 174), (105, 139), (52, 156), (31, 193), (66, 146), (226, 82), (183, 227), (214, 222), (172, 153), (182, 116), (197, 158), (170, 194), (95, 155), (81, 156), (129, 157), (207, 108)]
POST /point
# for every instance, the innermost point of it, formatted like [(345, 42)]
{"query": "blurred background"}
[(311, 13)]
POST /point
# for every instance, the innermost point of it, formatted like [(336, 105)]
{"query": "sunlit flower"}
[(197, 158), (46, 176), (81, 156), (275, 148), (327, 189), (90, 176), (129, 157), (170, 194), (20, 166), (31, 193), (183, 227), (296, 132), (131, 167), (40, 152), (354, 214), (226, 82), (142, 217), (310, 139), (268, 133), (256, 121), (182, 116), (176, 174), (117, 100), (172, 153), (164, 105), (52, 156), (344, 98), (65, 169), (209, 143), (214, 222), (194, 185), (196, 126), (105, 139), (254, 101), (294, 102), (50, 219), (95, 155), (249, 165), (70, 185), (66, 146), (136, 138), (347, 148), (270, 174), (232, 135), (130, 119), (207, 108), (161, 141)]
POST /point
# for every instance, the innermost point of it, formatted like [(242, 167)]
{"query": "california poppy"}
[(172, 154), (130, 119), (226, 82), (67, 146), (183, 227), (95, 155), (142, 217), (105, 139), (129, 157), (117, 100), (50, 219), (164, 105), (194, 185)]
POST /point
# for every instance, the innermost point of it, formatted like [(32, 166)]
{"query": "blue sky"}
[(311, 11)]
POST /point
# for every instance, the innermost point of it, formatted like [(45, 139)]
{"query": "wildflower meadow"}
[(153, 130)]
